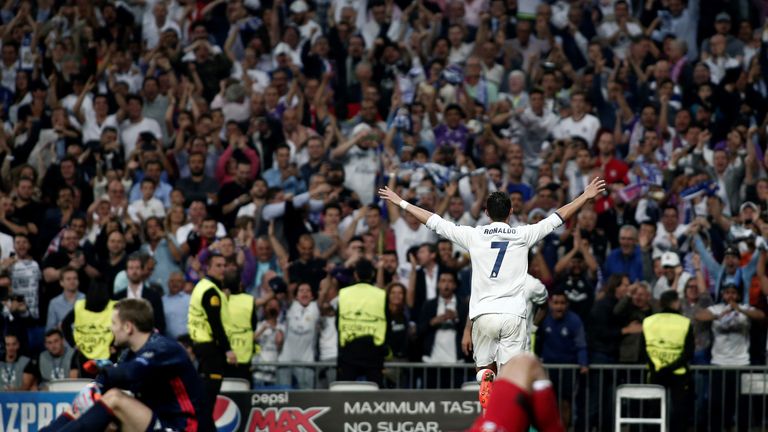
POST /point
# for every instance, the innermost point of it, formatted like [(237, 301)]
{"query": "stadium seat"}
[(235, 385), (68, 385), (471, 386), (641, 392), (353, 386)]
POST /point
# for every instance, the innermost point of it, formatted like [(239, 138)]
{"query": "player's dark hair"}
[(498, 206), (137, 312), (364, 270)]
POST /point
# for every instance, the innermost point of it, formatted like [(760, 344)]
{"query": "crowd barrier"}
[(723, 398)]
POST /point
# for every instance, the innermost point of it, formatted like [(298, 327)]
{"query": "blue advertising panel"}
[(30, 411)]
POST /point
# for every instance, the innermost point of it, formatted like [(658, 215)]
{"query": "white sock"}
[(541, 385), (480, 374)]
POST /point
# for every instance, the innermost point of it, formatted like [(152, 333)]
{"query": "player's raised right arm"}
[(392, 210), (595, 187), (453, 232), (394, 201)]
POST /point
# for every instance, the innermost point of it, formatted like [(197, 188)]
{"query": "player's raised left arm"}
[(596, 187)]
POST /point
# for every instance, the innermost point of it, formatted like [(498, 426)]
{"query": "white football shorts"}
[(497, 337)]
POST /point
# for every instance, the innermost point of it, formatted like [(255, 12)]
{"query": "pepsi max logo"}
[(226, 414), (285, 419)]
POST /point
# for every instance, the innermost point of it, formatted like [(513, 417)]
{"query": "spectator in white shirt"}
[(580, 123), (150, 31), (731, 323), (135, 123), (619, 31), (669, 230), (9, 64), (93, 115), (719, 62), (148, 206), (578, 171), (301, 329), (270, 334), (307, 28), (673, 276), (372, 29)]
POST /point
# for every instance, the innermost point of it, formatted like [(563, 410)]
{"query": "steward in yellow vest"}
[(362, 325), (93, 330), (669, 344), (88, 327), (240, 327), (208, 317)]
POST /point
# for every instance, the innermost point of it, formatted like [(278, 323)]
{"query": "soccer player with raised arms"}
[(499, 254)]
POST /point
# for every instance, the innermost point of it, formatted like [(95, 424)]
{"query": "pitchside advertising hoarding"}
[(300, 411)]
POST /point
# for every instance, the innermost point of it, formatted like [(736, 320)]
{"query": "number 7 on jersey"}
[(502, 247)]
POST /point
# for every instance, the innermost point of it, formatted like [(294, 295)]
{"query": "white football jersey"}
[(499, 256)]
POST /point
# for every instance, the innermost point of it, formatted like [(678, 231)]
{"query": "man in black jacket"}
[(425, 284), (134, 271), (441, 326)]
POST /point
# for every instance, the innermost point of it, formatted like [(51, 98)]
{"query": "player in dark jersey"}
[(522, 396), (167, 390)]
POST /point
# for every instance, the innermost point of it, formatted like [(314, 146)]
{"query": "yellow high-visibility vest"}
[(239, 330), (362, 312), (665, 335), (197, 322), (93, 330)]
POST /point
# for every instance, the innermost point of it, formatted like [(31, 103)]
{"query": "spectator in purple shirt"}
[(452, 132)]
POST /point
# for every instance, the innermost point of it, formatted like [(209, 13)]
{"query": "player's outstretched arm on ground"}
[(596, 187), (389, 195)]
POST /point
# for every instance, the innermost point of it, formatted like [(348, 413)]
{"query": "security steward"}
[(208, 317), (241, 326), (362, 326), (88, 327), (669, 344)]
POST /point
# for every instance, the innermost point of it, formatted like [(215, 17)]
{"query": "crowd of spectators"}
[(140, 137)]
